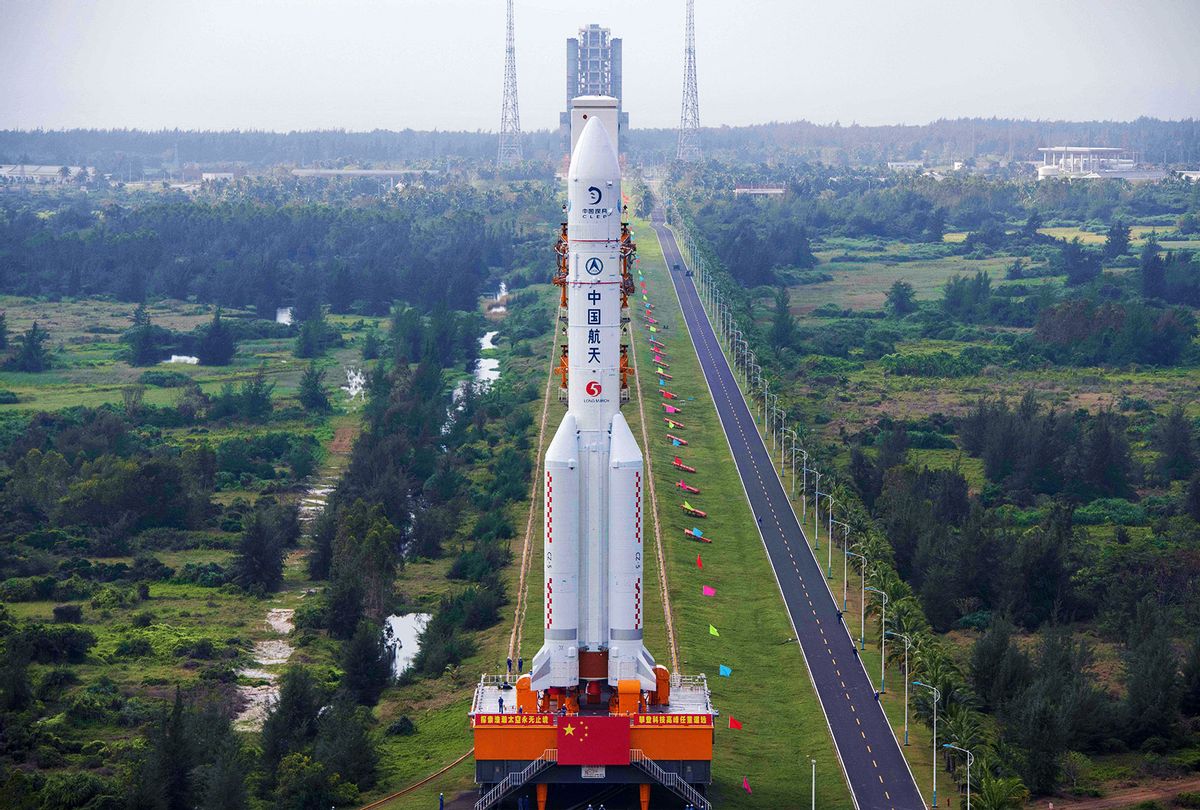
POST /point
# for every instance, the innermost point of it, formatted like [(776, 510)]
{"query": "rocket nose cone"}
[(594, 155)]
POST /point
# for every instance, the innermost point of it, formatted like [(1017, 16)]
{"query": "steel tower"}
[(689, 118), (510, 117)]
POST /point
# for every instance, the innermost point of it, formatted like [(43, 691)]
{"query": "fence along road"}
[(875, 768)]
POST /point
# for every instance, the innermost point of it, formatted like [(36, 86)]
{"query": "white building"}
[(1092, 162)]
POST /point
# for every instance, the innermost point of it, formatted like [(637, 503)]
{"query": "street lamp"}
[(829, 536), (862, 632), (804, 488), (882, 640), (817, 493), (814, 785), (907, 642), (970, 760), (936, 697)]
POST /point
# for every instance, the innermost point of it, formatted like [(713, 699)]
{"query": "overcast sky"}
[(425, 64)]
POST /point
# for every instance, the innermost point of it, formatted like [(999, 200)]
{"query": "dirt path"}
[(343, 440), (1125, 797)]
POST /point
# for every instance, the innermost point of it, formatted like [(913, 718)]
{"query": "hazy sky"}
[(362, 64)]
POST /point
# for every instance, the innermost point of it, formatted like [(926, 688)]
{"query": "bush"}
[(9, 397), (137, 647), (68, 614), (1105, 511), (404, 727), (1187, 799), (164, 379)]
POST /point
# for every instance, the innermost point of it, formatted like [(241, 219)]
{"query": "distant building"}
[(905, 165), (30, 173), (1092, 162), (593, 69), (757, 190)]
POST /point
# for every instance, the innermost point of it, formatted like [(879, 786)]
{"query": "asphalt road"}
[(870, 754)]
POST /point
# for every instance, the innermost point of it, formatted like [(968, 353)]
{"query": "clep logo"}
[(597, 195), (593, 389), (593, 266)]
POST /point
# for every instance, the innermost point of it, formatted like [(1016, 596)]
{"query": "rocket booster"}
[(594, 471)]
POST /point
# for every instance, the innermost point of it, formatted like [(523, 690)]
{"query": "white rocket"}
[(594, 476)]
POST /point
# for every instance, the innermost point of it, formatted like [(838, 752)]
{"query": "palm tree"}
[(1000, 793)]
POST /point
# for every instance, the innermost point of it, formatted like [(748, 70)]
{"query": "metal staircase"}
[(671, 781), (518, 778)]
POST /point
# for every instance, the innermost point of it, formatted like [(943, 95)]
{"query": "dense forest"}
[(118, 514), (130, 152)]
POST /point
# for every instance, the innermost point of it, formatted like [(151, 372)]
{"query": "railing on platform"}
[(516, 779), (671, 781)]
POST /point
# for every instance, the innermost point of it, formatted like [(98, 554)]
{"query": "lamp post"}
[(862, 613), (829, 536), (814, 785), (804, 488), (970, 761), (936, 697), (817, 511), (907, 642), (882, 640)]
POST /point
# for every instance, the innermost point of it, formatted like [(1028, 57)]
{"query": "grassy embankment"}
[(770, 691)]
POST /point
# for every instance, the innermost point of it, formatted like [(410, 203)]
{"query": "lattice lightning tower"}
[(689, 118), (510, 117)]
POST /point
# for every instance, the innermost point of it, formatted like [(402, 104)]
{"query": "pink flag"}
[(670, 408), (746, 784), (709, 591)]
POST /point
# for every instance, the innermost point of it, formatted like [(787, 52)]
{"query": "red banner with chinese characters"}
[(593, 740), (512, 720), (693, 720)]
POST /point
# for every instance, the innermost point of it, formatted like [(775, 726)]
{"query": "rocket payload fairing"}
[(594, 472)]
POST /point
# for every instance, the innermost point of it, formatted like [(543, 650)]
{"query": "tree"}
[(222, 782), (1153, 692), (312, 391), (303, 784), (142, 338), (32, 355), (172, 755), (901, 298), (1190, 692), (783, 324), (1176, 446), (1191, 498), (1079, 263), (1117, 242), (999, 793), (254, 399), (217, 345), (3, 332), (291, 721), (259, 560), (366, 664), (344, 746), (1152, 271)]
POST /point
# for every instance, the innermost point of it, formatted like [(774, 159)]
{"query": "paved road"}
[(878, 775)]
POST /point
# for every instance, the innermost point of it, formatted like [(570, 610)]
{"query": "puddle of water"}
[(488, 341), (186, 359), (401, 634), (502, 292), (283, 315)]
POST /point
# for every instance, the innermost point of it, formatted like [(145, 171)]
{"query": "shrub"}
[(160, 378), (68, 614), (1110, 511), (9, 397), (404, 727), (137, 647)]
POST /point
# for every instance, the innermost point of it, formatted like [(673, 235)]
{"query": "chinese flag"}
[(734, 723), (593, 740)]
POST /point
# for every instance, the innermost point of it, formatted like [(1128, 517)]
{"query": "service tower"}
[(595, 709)]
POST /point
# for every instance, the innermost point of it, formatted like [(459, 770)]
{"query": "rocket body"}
[(594, 474)]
